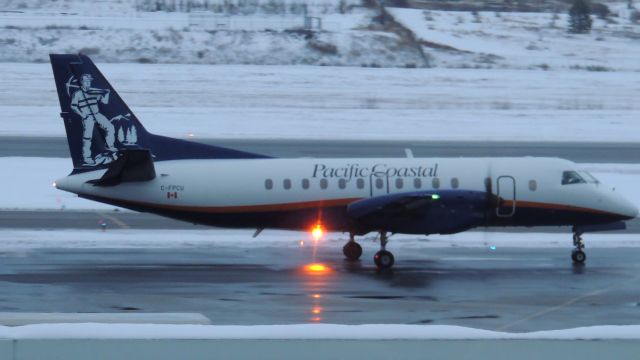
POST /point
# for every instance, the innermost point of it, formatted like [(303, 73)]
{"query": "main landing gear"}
[(383, 258), (352, 250), (577, 255)]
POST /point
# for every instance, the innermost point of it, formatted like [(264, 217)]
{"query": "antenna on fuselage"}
[(408, 153)]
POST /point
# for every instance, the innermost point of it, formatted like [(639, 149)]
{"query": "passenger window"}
[(268, 184), (379, 183), (455, 183), (417, 183), (324, 183), (286, 183), (305, 183), (342, 183), (571, 177), (360, 183), (533, 185), (399, 183), (435, 183)]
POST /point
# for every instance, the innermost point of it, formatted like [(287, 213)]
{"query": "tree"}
[(580, 17)]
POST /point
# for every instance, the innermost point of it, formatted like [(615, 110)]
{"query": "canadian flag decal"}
[(172, 195)]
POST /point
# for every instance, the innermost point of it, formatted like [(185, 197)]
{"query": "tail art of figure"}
[(84, 102)]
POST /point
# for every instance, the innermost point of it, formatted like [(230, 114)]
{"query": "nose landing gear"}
[(578, 255), (383, 258)]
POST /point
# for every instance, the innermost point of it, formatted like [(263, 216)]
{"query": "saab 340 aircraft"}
[(116, 161)]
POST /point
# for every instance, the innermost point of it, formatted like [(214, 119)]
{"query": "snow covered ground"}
[(525, 40), (124, 31), (306, 331), (19, 240), (307, 102), (122, 34), (31, 181)]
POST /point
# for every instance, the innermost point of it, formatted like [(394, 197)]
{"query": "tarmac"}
[(508, 289)]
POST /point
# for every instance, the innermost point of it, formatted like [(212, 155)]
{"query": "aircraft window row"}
[(533, 185), (379, 183), (572, 177)]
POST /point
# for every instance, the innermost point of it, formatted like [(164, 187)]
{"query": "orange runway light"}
[(316, 296), (317, 269), (316, 319), (317, 232), (316, 310)]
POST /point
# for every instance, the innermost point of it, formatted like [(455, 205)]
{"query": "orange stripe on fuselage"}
[(540, 205), (281, 207), (249, 208)]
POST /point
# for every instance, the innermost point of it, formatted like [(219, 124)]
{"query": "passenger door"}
[(506, 192)]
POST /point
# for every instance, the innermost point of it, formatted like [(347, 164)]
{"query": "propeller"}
[(491, 199)]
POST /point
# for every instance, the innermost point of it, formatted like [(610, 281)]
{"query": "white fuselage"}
[(272, 185)]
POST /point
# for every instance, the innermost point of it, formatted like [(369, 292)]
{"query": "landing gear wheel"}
[(352, 250), (578, 256), (383, 259)]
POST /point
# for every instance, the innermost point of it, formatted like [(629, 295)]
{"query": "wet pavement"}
[(508, 289)]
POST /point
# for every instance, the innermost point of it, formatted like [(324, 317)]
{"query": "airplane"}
[(117, 161)]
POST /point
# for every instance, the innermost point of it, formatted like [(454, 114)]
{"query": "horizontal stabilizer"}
[(131, 166)]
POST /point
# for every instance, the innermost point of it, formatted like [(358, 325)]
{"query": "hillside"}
[(314, 32)]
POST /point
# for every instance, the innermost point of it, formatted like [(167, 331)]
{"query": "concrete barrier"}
[(318, 349), (310, 342)]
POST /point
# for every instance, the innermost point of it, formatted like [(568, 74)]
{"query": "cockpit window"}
[(589, 178), (572, 177)]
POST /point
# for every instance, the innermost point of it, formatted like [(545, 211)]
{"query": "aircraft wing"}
[(421, 212)]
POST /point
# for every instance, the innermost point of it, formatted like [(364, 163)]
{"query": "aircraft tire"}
[(578, 256), (383, 259), (352, 250)]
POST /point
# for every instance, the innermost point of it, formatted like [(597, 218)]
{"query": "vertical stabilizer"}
[(97, 121), (99, 124)]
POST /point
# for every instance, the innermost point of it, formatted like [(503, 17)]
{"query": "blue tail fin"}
[(99, 124)]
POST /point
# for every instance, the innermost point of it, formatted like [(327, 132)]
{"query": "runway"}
[(579, 152), (510, 289)]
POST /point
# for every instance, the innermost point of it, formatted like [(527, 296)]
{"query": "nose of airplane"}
[(626, 208)]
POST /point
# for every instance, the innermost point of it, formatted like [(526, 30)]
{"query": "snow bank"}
[(306, 331), (306, 102), (17, 240)]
